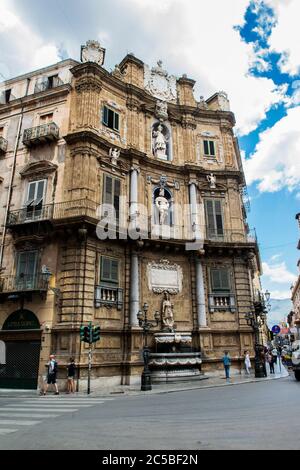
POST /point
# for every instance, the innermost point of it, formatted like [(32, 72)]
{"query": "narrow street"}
[(232, 417)]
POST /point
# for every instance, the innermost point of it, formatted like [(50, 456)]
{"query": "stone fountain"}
[(174, 359)]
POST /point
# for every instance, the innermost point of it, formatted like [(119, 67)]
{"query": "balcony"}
[(24, 283), (109, 297), (53, 212), (230, 236), (41, 134), (3, 146), (221, 302)]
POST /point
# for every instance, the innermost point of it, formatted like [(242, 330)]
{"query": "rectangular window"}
[(26, 270), (214, 218), (220, 280), (209, 148), (111, 196), (52, 81), (109, 270), (111, 119), (35, 198), (7, 96), (46, 118)]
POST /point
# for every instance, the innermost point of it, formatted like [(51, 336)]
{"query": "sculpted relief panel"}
[(159, 83), (164, 277)]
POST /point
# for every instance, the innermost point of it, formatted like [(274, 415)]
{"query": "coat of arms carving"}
[(93, 52), (159, 83)]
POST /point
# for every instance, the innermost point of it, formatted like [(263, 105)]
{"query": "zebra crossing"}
[(32, 411)]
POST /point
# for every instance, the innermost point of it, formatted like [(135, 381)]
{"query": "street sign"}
[(276, 329)]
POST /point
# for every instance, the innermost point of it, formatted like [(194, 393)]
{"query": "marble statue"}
[(167, 312), (212, 181), (160, 143), (163, 206), (114, 154)]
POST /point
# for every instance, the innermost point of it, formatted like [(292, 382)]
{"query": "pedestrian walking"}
[(71, 375), (263, 362), (275, 355), (247, 362), (270, 359), (227, 363), (52, 367)]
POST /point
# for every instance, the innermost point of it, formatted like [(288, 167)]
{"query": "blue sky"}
[(249, 48)]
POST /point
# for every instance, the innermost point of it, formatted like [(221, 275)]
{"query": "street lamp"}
[(146, 325), (253, 321)]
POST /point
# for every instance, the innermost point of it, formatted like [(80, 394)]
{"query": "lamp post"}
[(255, 323), (146, 325)]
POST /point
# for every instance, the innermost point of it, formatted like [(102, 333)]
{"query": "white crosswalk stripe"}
[(30, 412)]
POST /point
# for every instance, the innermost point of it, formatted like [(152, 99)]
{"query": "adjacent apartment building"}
[(118, 189)]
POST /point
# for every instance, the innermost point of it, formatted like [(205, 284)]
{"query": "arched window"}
[(168, 218), (161, 141)]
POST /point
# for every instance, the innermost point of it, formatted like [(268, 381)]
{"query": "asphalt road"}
[(262, 415)]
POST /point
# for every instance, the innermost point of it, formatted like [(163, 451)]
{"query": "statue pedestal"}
[(174, 359)]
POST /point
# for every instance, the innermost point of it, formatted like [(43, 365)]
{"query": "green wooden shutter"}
[(210, 219), (225, 283), (116, 197), (114, 271), (116, 121), (105, 269), (212, 148), (105, 115), (215, 280), (218, 217), (206, 148)]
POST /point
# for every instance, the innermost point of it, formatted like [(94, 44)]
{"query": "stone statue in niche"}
[(160, 142), (167, 313), (114, 154), (212, 181), (163, 206)]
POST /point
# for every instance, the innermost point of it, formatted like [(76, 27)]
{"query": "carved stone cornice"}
[(188, 122), (88, 83), (133, 104), (42, 167)]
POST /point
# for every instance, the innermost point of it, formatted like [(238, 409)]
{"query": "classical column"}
[(133, 192), (134, 289), (200, 295)]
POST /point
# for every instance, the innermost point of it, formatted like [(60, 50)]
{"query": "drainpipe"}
[(12, 175)]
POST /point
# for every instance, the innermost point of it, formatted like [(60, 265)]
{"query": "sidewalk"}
[(206, 382)]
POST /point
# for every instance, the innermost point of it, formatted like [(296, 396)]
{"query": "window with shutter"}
[(220, 280), (214, 218), (111, 119), (209, 148), (111, 197), (109, 270)]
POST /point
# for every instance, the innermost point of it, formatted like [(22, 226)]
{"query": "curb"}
[(135, 393)]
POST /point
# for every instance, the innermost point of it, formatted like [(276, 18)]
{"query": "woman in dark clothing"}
[(71, 374)]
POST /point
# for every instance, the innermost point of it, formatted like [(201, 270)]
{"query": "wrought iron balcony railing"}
[(41, 134), (24, 283), (221, 302), (3, 145), (62, 210), (108, 296)]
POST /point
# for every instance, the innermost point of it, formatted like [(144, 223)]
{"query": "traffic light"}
[(85, 334), (96, 334)]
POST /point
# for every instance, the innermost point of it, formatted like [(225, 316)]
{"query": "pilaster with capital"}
[(134, 289)]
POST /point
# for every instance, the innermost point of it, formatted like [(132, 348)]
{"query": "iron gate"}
[(22, 365)]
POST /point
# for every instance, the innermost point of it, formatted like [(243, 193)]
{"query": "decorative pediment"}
[(43, 167)]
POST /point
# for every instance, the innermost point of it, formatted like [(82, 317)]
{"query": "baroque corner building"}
[(78, 145)]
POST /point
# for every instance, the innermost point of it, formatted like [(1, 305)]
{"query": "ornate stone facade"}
[(195, 248)]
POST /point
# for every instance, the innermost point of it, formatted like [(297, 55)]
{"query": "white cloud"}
[(211, 52), (275, 163), (278, 273), (21, 45), (281, 294), (285, 35)]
